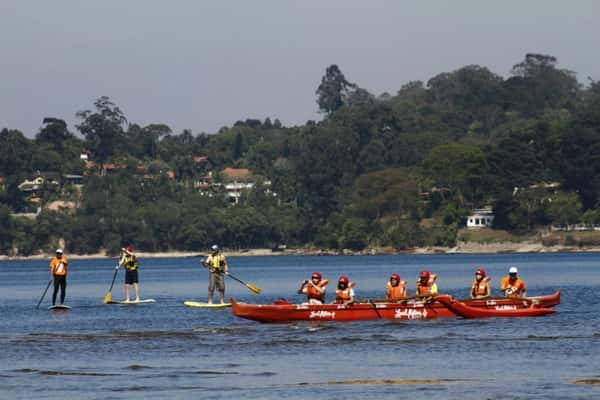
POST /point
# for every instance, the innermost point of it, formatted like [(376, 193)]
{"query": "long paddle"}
[(248, 285), (253, 288), (108, 296), (44, 294)]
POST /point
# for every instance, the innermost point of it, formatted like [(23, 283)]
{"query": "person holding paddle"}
[(58, 274), (480, 288), (344, 293), (395, 288), (130, 262), (217, 267), (426, 285), (512, 286), (314, 289)]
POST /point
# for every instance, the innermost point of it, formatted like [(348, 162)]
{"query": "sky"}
[(202, 65)]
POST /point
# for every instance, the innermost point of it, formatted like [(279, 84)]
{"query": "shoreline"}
[(462, 248)]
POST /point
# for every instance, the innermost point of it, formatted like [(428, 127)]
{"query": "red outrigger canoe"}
[(466, 311), (406, 309)]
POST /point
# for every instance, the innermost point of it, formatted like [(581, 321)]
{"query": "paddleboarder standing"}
[(217, 269), (58, 274), (130, 262)]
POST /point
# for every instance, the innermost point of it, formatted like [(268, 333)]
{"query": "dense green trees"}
[(399, 170)]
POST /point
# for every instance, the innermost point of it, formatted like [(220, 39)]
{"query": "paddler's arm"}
[(225, 265), (302, 286), (317, 287)]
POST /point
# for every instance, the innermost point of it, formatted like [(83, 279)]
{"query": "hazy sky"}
[(205, 64)]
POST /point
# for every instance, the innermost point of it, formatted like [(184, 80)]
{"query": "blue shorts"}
[(131, 277)]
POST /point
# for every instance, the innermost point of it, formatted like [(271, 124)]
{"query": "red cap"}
[(343, 279), (425, 274), (316, 275), (395, 276), (480, 271)]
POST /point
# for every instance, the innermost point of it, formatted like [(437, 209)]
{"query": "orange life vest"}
[(514, 288), (313, 293), (429, 288), (58, 266), (396, 292), (481, 288), (343, 295)]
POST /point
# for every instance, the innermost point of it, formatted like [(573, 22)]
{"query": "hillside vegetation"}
[(400, 170)]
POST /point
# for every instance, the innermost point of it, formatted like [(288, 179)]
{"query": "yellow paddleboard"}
[(205, 305)]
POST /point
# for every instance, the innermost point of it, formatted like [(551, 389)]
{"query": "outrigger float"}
[(443, 306)]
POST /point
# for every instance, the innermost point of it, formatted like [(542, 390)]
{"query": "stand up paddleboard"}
[(59, 307), (205, 305), (132, 302)]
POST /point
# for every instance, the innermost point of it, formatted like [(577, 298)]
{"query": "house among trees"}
[(236, 181), (41, 182), (203, 165), (480, 218)]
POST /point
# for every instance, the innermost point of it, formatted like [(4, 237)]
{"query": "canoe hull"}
[(466, 311), (405, 310)]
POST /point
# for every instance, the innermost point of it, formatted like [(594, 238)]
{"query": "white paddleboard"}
[(132, 302), (205, 305), (59, 307)]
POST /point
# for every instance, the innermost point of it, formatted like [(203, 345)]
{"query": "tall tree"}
[(333, 90), (54, 132), (103, 129)]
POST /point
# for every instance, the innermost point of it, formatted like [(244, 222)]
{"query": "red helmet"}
[(316, 275), (425, 274), (395, 276), (129, 248), (480, 271), (343, 279)]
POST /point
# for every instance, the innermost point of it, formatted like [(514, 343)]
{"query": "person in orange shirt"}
[(395, 288), (512, 286), (58, 274), (344, 293), (480, 288), (426, 285), (314, 289)]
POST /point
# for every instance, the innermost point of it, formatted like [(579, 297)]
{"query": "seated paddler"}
[(344, 293), (395, 288), (426, 285), (480, 287), (314, 289)]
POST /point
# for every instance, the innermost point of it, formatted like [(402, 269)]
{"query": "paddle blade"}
[(253, 288), (108, 298)]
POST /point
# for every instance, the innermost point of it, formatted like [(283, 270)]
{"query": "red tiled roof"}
[(236, 174)]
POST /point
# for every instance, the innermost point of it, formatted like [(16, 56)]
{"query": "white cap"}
[(215, 247), (513, 270), (59, 251)]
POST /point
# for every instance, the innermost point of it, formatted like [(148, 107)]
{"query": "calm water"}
[(166, 350)]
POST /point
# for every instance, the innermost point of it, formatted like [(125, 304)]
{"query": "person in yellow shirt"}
[(426, 285), (217, 267), (58, 274), (130, 262)]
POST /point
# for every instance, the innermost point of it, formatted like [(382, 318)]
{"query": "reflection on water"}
[(166, 350)]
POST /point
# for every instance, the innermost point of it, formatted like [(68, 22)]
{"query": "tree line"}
[(400, 170)]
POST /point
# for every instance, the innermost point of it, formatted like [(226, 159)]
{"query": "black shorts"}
[(131, 277)]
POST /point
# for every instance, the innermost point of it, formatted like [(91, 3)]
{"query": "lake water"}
[(168, 351)]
